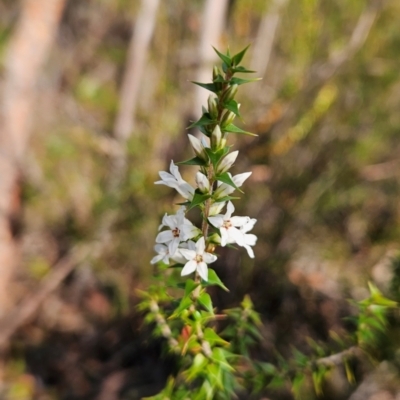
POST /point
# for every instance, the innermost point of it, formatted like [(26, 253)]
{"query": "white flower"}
[(178, 257), (227, 162), (175, 181), (181, 229), (227, 225), (249, 238), (225, 190), (197, 259), (202, 182), (163, 254)]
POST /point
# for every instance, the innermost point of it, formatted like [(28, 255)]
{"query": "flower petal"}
[(157, 258), (189, 267), (209, 258), (250, 251), (173, 245), (224, 236), (188, 254), (202, 270), (200, 246), (216, 220), (235, 236), (250, 239), (164, 237), (229, 210), (239, 221), (188, 232)]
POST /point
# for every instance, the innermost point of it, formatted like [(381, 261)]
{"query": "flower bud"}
[(216, 207), (216, 138), (202, 183), (212, 106), (197, 147), (227, 162), (230, 93), (215, 72), (227, 118), (214, 238)]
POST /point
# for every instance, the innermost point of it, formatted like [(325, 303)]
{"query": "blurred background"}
[(95, 100)]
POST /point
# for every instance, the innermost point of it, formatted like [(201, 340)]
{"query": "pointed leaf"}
[(237, 58), (204, 120), (190, 286), (219, 356), (225, 58), (234, 129), (183, 305), (220, 79), (193, 161), (198, 198), (209, 86), (240, 81), (213, 279), (232, 105), (213, 338), (225, 178), (205, 300), (242, 70), (215, 156)]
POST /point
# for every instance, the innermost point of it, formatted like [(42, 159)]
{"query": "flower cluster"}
[(180, 242)]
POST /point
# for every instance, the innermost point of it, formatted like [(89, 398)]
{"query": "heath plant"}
[(215, 363)]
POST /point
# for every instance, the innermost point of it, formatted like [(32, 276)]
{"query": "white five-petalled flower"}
[(228, 226), (197, 258), (181, 229), (175, 181)]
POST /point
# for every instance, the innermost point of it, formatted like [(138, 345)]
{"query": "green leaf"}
[(232, 105), (197, 367), (219, 79), (204, 120), (225, 178), (234, 129), (193, 161), (240, 81), (215, 156), (242, 70), (277, 382), (219, 356), (213, 279), (198, 198), (297, 385), (190, 286), (209, 86), (205, 300), (213, 338), (183, 305), (349, 372), (237, 58), (225, 58)]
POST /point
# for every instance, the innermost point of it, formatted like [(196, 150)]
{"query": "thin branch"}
[(339, 358)]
